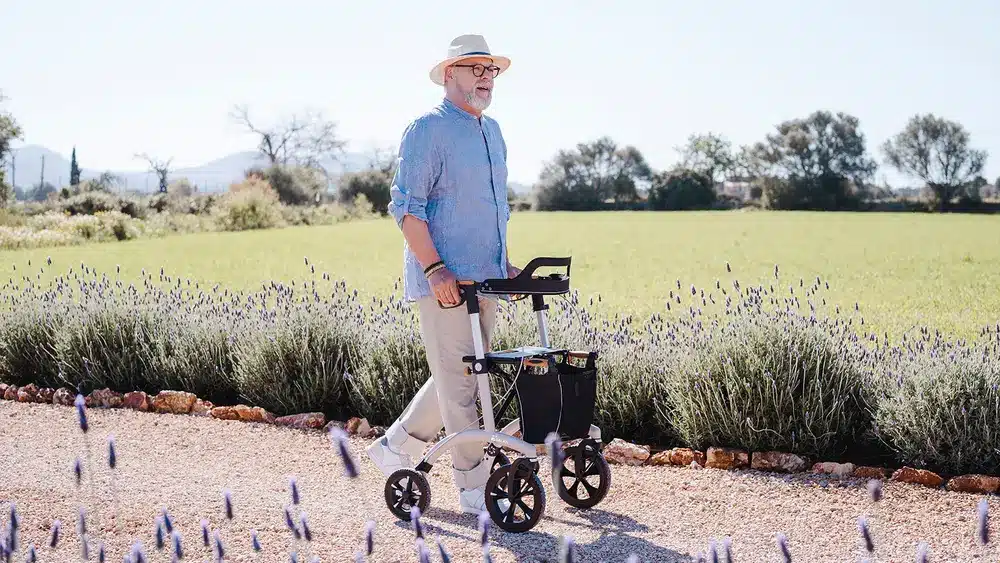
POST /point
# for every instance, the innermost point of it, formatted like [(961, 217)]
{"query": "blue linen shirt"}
[(452, 174)]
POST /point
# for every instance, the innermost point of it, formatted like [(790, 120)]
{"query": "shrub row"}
[(762, 371), (103, 217)]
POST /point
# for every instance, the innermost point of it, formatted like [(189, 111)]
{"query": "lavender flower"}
[(290, 523), (81, 412), (54, 538), (178, 550), (228, 502), (159, 534), (418, 528), (220, 551), (875, 489), (484, 528), (783, 546), (370, 536), (566, 550), (866, 534), (339, 438), (295, 490), (112, 457), (81, 521), (306, 532), (984, 522), (445, 556)]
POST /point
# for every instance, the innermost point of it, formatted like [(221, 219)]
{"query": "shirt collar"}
[(452, 109)]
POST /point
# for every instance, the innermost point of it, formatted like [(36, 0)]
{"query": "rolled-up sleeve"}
[(416, 169)]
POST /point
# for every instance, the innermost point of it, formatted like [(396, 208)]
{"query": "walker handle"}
[(464, 287)]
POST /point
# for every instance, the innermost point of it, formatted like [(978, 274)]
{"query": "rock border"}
[(618, 451), (184, 403)]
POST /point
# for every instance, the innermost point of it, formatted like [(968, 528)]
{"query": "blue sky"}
[(117, 77)]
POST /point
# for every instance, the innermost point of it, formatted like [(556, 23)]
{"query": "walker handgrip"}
[(527, 284)]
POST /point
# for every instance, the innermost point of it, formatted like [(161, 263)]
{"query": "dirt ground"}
[(184, 464)]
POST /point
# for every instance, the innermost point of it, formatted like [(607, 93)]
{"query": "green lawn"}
[(904, 269)]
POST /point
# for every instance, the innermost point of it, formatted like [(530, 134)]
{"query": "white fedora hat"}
[(464, 47)]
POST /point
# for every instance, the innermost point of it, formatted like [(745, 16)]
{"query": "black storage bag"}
[(561, 400)]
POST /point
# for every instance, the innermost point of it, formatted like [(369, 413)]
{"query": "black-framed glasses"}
[(478, 69)]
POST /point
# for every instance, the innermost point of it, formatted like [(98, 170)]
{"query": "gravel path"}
[(663, 514)]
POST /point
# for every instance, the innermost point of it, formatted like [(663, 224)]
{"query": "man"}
[(449, 198)]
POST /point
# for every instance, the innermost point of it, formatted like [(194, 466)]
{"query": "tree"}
[(709, 154), (305, 140), (936, 151), (590, 176), (818, 162), (681, 189), (160, 168), (10, 131), (74, 170)]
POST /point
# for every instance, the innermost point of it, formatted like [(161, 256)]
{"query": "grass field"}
[(904, 270)]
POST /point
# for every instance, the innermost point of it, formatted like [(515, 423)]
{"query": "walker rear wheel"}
[(521, 511), (407, 488), (585, 476)]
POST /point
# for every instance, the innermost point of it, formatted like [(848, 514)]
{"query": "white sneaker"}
[(386, 459), (473, 501)]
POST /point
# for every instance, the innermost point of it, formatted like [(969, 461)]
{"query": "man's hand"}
[(512, 270), (444, 284)]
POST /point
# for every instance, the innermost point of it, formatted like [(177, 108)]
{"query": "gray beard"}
[(477, 102)]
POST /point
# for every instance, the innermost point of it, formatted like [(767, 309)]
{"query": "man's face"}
[(476, 90)]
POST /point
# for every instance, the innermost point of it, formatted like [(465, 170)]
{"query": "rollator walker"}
[(555, 390)]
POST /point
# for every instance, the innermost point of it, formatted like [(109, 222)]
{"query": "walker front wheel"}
[(499, 460), (407, 488), (521, 511), (582, 465)]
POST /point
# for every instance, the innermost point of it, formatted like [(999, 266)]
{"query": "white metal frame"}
[(488, 433)]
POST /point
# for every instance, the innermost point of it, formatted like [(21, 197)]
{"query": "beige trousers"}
[(449, 398)]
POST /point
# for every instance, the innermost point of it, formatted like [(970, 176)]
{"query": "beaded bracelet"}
[(433, 268)]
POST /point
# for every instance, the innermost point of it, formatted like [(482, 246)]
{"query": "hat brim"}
[(437, 73)]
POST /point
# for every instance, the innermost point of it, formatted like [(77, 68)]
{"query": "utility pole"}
[(42, 181), (13, 169)]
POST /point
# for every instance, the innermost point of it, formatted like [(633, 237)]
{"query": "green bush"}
[(374, 184), (91, 202), (294, 185), (295, 362), (251, 204), (29, 347), (681, 190), (768, 382), (939, 406)]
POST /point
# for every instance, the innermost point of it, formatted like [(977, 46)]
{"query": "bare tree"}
[(937, 151), (159, 167), (384, 160), (305, 139)]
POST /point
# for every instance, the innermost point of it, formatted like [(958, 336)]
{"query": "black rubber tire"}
[(594, 465), (531, 489), (499, 461), (404, 489)]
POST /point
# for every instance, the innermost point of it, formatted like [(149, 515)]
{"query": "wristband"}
[(433, 266), (433, 269)]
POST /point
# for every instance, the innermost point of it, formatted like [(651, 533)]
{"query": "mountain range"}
[(27, 165)]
